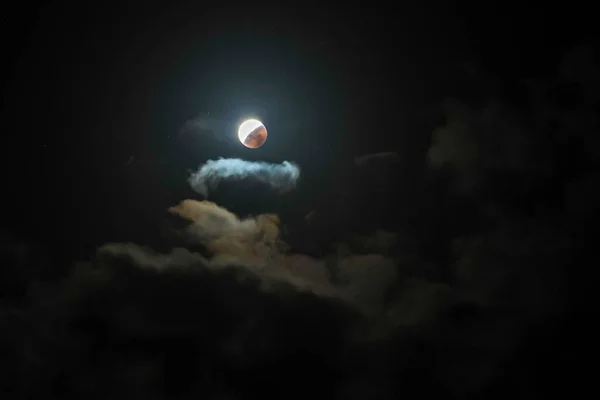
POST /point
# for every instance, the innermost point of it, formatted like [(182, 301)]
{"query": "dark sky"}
[(489, 109), (88, 86)]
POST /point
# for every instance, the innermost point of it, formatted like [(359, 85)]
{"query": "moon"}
[(252, 133)]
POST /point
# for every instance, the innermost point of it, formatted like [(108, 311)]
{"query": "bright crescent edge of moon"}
[(246, 127)]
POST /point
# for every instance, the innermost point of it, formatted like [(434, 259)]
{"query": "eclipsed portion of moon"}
[(252, 133)]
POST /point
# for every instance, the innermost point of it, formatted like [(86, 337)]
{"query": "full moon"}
[(252, 133)]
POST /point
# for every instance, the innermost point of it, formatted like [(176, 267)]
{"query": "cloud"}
[(381, 241), (254, 307), (185, 324), (145, 257), (268, 274), (487, 146), (366, 279), (281, 177), (255, 243), (223, 233), (517, 263), (310, 269)]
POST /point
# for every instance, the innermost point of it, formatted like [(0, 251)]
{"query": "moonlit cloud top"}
[(282, 177)]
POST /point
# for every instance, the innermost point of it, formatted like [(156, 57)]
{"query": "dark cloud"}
[(478, 141), (172, 332)]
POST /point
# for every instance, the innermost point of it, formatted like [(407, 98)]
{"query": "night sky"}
[(454, 261)]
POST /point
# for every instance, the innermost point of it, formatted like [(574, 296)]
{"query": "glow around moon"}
[(252, 133)]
